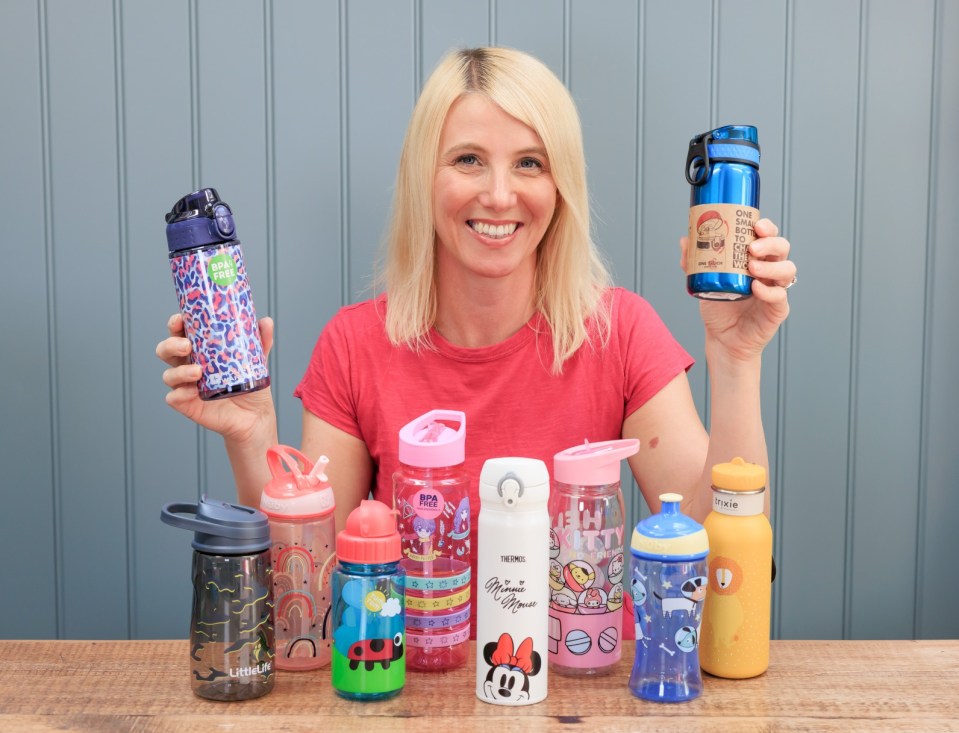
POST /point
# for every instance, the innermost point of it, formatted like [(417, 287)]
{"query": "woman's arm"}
[(350, 470), (677, 454)]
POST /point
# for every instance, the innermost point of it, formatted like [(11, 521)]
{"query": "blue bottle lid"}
[(670, 535), (198, 219), (221, 528), (731, 144)]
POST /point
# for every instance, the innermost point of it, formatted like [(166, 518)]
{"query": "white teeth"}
[(488, 230)]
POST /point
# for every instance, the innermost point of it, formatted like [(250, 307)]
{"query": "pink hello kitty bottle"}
[(587, 565), (299, 503), (431, 498)]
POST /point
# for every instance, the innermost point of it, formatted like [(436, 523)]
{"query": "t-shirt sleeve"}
[(651, 357), (326, 389)]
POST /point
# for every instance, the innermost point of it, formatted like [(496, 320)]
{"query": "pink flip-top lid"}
[(593, 464), (370, 535), (430, 442)]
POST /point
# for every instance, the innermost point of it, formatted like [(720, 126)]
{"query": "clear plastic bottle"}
[(668, 585), (231, 630), (587, 565), (369, 660), (512, 598), (735, 639), (299, 502), (431, 498)]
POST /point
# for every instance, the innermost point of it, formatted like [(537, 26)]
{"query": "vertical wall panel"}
[(157, 170), (26, 446), (675, 53), (88, 369), (308, 196), (820, 161), (938, 539), (445, 25), (750, 73), (603, 44), (888, 388), (231, 79), (381, 89), (535, 26)]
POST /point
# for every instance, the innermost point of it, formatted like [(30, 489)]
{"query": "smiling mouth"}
[(494, 231)]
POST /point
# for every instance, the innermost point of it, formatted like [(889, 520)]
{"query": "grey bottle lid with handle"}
[(220, 528)]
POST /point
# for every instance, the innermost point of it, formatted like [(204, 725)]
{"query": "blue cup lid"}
[(670, 535), (220, 528)]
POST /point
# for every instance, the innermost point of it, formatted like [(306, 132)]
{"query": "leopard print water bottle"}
[(214, 296)]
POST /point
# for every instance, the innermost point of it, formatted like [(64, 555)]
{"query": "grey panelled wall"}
[(295, 110)]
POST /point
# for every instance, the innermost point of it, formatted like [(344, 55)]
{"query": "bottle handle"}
[(184, 516), (305, 473), (280, 455)]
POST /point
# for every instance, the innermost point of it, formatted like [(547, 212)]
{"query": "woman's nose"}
[(498, 192)]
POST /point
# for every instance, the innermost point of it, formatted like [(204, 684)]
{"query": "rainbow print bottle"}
[(431, 498), (299, 503), (735, 638)]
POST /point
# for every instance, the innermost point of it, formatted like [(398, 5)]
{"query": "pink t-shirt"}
[(360, 383)]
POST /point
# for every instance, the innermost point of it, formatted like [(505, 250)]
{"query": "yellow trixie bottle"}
[(734, 640)]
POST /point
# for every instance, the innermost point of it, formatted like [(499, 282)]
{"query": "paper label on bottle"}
[(719, 238)]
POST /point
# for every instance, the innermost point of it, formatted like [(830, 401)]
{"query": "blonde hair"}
[(570, 275)]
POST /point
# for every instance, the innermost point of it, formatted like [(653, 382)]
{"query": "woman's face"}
[(493, 193)]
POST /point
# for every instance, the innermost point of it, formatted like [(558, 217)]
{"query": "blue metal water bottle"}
[(668, 584), (722, 168)]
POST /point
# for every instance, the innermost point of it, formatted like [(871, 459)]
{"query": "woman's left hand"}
[(743, 328)]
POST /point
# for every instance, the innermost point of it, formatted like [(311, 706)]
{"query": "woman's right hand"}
[(236, 418)]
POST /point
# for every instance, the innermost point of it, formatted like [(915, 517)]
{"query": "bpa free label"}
[(221, 269), (427, 503)]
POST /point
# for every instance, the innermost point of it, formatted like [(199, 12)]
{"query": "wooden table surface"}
[(810, 686)]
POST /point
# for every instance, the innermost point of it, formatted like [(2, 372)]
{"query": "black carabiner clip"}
[(697, 159)]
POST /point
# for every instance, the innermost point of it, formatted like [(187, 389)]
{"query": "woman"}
[(496, 303)]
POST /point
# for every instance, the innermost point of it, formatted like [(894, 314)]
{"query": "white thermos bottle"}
[(512, 584)]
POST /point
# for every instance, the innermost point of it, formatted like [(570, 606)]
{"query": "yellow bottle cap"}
[(738, 475)]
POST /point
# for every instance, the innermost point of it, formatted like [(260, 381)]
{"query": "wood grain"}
[(810, 686)]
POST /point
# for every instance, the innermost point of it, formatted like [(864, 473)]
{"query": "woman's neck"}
[(483, 311)]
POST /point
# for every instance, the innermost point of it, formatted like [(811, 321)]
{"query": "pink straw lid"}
[(430, 442), (593, 464)]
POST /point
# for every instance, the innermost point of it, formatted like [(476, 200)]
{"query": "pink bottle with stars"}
[(431, 498)]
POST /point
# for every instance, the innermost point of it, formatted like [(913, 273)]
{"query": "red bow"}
[(504, 654)]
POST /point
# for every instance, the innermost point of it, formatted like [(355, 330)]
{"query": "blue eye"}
[(530, 164), (467, 159)]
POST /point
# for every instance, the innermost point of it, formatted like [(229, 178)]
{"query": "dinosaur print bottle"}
[(735, 638), (231, 630)]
